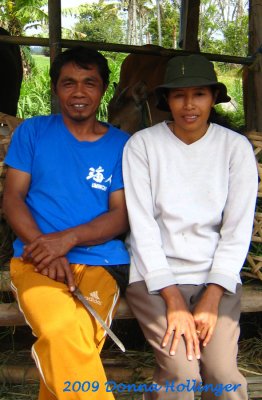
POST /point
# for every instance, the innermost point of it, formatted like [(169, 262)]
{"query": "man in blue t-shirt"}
[(64, 200)]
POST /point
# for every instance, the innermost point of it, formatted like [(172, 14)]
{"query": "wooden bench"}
[(10, 314)]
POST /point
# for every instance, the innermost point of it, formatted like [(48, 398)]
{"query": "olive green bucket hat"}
[(189, 71)]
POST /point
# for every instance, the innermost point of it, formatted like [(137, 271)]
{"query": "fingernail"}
[(172, 352), (190, 358), (164, 344), (72, 288), (198, 357)]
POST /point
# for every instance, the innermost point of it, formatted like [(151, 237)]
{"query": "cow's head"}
[(129, 109)]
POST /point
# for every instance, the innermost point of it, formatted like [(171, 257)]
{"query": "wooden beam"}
[(121, 48)]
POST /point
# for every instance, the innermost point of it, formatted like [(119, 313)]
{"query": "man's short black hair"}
[(83, 57)]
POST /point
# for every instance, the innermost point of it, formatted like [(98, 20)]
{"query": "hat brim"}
[(161, 91)]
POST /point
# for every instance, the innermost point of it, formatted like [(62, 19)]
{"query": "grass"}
[(249, 361), (233, 81), (35, 92), (42, 62)]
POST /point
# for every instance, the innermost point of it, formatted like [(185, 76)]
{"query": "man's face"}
[(79, 91)]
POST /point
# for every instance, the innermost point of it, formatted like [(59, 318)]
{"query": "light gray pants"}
[(218, 364)]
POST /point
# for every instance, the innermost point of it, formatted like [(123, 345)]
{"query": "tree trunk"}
[(132, 22), (159, 28)]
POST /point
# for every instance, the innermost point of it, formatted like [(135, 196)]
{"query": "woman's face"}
[(190, 108)]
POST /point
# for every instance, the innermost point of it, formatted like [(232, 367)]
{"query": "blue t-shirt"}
[(71, 181)]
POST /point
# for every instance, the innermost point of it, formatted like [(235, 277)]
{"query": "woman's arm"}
[(180, 322), (238, 217), (145, 240), (206, 312)]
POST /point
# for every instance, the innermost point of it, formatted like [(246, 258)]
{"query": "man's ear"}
[(105, 89), (53, 87)]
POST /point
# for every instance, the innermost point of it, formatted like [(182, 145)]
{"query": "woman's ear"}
[(216, 93)]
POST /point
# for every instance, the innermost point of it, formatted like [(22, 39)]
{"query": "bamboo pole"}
[(10, 314), (28, 374)]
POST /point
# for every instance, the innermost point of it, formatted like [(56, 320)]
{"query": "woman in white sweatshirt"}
[(191, 188)]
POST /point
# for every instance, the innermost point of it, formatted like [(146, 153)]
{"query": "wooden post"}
[(252, 79), (189, 24), (54, 12)]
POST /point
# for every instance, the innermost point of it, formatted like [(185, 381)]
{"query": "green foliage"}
[(236, 37), (18, 15), (208, 26), (234, 87), (100, 23), (35, 94), (169, 24), (115, 66), (223, 28), (41, 62)]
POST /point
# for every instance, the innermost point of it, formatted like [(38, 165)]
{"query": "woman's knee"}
[(181, 372), (222, 374)]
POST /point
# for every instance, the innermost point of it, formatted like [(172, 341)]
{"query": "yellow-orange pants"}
[(69, 339)]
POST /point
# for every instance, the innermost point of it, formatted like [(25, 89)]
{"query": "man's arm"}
[(46, 248), (20, 219), (15, 210)]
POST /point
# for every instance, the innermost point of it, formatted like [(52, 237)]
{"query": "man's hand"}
[(179, 322), (59, 270), (206, 312), (46, 248)]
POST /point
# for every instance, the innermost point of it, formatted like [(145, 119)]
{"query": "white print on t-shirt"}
[(97, 176)]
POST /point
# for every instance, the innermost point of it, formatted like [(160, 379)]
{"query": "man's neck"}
[(85, 130)]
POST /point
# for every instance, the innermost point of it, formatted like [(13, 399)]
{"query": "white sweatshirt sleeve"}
[(145, 238), (238, 216)]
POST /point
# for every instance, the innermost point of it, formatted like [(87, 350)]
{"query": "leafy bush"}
[(233, 82), (35, 94), (114, 66)]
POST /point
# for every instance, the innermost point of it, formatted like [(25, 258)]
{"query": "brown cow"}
[(133, 105)]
